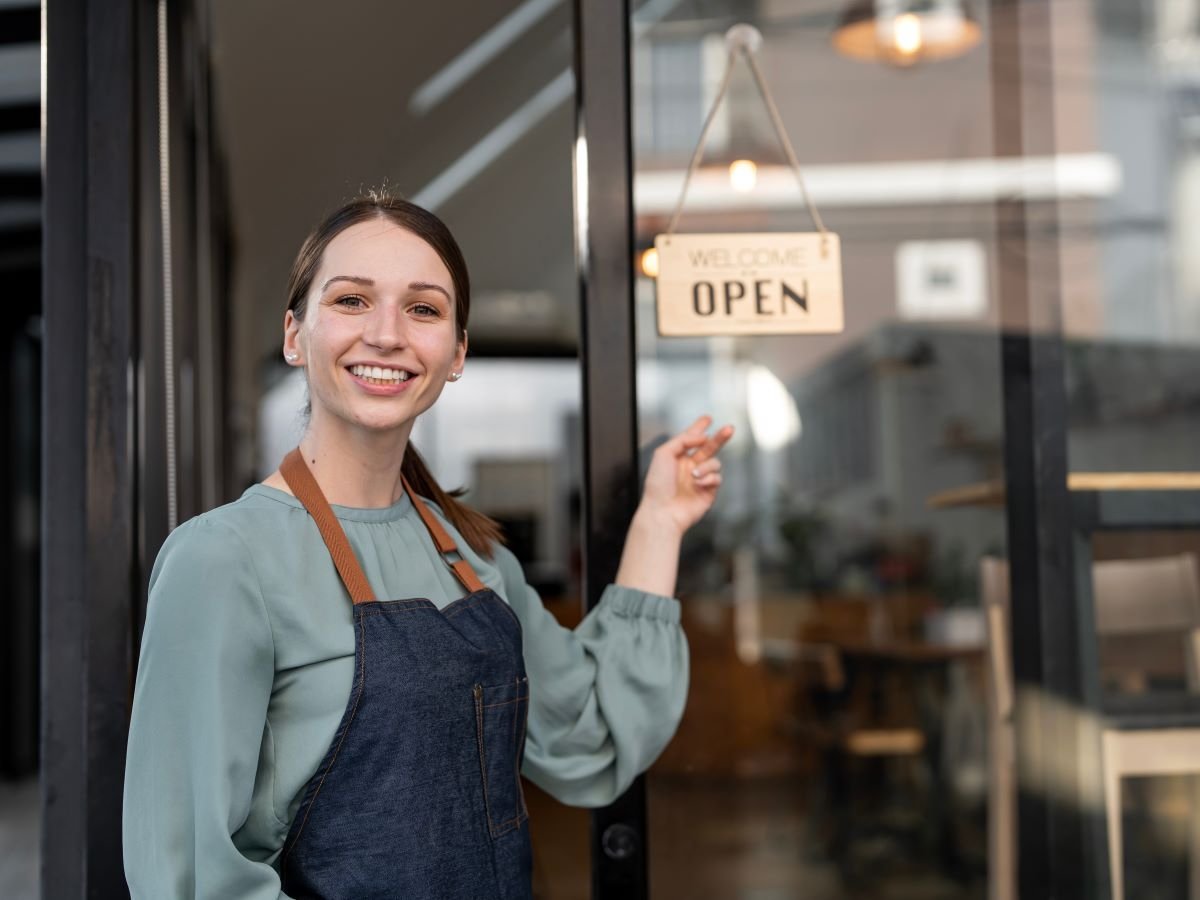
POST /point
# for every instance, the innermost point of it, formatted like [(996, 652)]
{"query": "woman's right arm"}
[(199, 711)]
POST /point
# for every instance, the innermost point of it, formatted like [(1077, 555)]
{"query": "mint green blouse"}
[(247, 662)]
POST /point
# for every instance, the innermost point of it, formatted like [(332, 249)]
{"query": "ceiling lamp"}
[(905, 32)]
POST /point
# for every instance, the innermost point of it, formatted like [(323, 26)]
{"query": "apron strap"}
[(300, 479), (445, 544)]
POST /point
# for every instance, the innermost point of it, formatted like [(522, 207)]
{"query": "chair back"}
[(1137, 602), (1143, 596), (1148, 619), (994, 587)]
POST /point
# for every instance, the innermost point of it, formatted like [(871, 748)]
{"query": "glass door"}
[(955, 550), (834, 742)]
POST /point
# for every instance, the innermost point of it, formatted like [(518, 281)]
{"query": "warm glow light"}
[(774, 419), (650, 263), (743, 175), (906, 33)]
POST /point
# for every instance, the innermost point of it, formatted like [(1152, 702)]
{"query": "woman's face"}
[(379, 337)]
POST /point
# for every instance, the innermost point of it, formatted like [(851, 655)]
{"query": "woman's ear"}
[(460, 355), (292, 351)]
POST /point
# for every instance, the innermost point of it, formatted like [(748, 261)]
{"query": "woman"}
[(303, 729)]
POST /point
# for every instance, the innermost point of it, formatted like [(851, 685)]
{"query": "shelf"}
[(991, 493)]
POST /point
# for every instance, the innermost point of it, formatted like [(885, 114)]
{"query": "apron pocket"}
[(500, 714)]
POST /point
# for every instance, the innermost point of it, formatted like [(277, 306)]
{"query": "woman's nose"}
[(384, 328)]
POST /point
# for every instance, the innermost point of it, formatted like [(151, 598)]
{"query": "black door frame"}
[(603, 169), (1062, 848), (106, 390), (90, 264)]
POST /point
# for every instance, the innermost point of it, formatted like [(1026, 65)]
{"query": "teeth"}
[(378, 373)]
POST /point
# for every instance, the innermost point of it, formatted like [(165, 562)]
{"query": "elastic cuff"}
[(624, 601)]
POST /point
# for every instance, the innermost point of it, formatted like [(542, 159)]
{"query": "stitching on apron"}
[(499, 828), (518, 755), (505, 703), (400, 609), (457, 609), (487, 805)]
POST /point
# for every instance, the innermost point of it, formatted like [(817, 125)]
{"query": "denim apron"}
[(419, 794)]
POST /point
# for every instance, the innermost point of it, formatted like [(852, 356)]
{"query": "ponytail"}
[(480, 531)]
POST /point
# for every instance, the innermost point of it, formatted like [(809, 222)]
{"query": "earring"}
[(454, 376), (291, 357)]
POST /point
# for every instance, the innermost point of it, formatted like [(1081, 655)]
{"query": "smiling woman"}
[(272, 719), (402, 318)]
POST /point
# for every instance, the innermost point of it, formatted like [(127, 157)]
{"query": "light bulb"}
[(906, 35), (743, 175), (650, 263)]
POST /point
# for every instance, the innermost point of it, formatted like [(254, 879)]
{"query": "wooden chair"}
[(1135, 601), (842, 721), (854, 722), (1002, 758)]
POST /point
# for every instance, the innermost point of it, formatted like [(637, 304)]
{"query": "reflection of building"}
[(912, 411), (937, 388)]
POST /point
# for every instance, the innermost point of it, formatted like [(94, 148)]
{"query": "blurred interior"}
[(849, 728)]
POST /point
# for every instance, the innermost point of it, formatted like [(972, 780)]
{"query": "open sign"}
[(749, 284)]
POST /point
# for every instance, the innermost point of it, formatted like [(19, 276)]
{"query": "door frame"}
[(603, 178)]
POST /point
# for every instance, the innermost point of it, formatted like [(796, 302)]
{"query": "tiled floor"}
[(727, 839), (19, 817), (748, 839)]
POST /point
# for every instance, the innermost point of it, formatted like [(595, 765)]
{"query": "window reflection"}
[(851, 710)]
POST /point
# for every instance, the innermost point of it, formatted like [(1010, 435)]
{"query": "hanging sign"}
[(773, 283)]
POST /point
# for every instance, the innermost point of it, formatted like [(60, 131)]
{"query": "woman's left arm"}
[(681, 485), (607, 696)]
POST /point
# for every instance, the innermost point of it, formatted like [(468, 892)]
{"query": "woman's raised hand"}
[(684, 475)]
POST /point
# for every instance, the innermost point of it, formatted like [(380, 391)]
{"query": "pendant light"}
[(905, 32)]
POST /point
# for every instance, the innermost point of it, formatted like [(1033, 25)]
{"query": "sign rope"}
[(745, 40)]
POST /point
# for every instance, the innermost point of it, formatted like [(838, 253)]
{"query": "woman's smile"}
[(379, 340), (382, 381)]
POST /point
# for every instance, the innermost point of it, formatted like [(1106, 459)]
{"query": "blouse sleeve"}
[(605, 698), (199, 712)]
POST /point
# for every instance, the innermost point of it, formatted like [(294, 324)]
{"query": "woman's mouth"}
[(380, 375), (380, 379)]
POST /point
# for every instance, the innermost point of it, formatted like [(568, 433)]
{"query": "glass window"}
[(851, 727)]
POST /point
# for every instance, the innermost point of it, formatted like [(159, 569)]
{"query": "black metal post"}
[(1060, 844), (604, 251), (89, 526)]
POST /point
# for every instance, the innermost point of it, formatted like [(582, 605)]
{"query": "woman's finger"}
[(711, 480), (706, 468), (711, 446), (681, 445), (692, 436)]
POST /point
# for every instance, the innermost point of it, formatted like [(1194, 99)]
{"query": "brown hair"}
[(480, 531)]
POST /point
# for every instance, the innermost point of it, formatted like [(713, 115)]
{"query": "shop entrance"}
[(907, 651)]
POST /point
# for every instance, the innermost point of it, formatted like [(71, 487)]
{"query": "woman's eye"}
[(424, 309), (351, 300)]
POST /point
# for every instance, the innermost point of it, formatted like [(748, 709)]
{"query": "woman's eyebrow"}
[(370, 282), (356, 279), (428, 286)]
